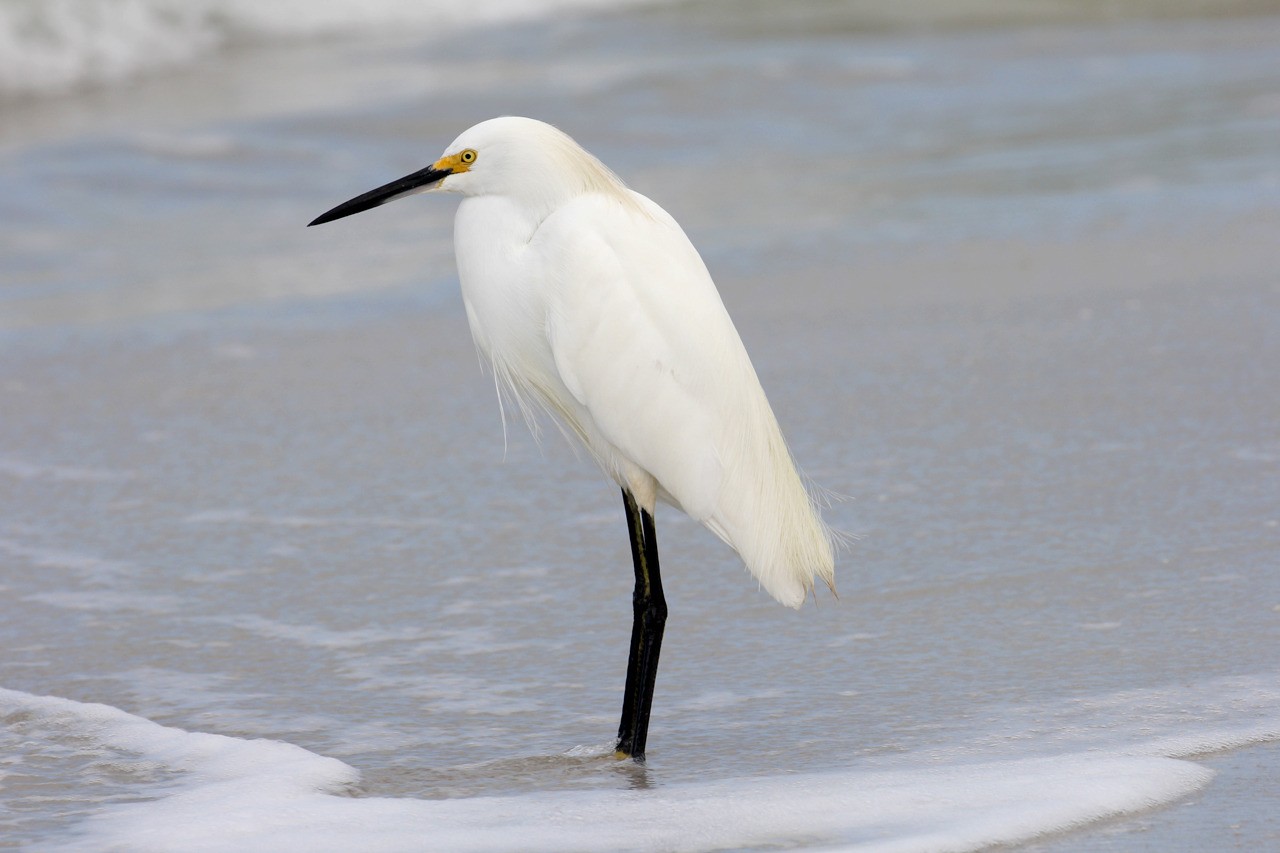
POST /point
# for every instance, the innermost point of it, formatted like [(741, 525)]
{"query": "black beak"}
[(416, 182)]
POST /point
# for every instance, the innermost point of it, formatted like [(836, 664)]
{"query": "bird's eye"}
[(468, 157)]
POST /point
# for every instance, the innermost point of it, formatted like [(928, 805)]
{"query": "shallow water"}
[(1011, 290)]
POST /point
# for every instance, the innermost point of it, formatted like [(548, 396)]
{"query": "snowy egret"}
[(590, 303)]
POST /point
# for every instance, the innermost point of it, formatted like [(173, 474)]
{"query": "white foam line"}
[(19, 469), (84, 564), (260, 795), (239, 516), (54, 45)]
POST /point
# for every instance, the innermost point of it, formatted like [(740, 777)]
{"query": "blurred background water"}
[(1007, 272)]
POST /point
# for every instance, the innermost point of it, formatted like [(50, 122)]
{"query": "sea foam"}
[(49, 46), (224, 793)]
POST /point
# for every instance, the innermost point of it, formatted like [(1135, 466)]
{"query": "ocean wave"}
[(53, 46), (211, 792), (223, 793)]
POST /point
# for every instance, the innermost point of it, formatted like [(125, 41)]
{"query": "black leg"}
[(649, 615)]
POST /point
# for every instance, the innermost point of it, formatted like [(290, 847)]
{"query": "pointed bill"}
[(420, 181)]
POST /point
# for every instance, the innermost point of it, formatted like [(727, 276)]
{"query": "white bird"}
[(590, 302)]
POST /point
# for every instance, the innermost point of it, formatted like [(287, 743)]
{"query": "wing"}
[(642, 341), (646, 349)]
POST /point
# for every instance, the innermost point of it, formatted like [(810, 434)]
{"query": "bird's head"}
[(520, 157)]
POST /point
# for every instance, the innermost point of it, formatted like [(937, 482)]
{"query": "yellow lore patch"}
[(456, 163)]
